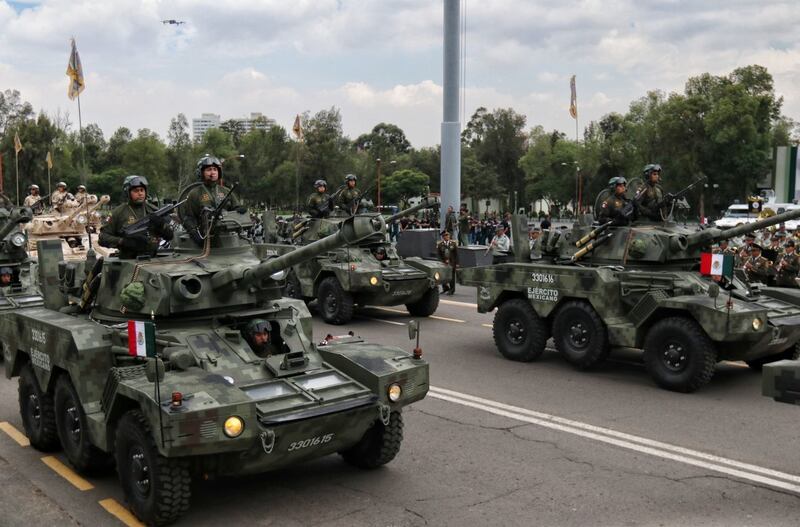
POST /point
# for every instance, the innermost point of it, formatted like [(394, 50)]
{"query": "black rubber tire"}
[(519, 333), (792, 353), (679, 355), (335, 304), (72, 427), (580, 334), (380, 444), (37, 411), (292, 287), (158, 489), (425, 306)]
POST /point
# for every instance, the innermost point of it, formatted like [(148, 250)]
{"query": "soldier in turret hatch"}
[(349, 198), (652, 199), (33, 198), (60, 196), (617, 206), (146, 244), (320, 203), (258, 335), (205, 198), (6, 277)]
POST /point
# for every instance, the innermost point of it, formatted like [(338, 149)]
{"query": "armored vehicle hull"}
[(70, 228)]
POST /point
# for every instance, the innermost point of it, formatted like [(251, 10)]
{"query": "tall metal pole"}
[(83, 149), (451, 126), (378, 161)]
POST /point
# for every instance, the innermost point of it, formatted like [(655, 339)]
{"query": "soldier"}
[(448, 253), (320, 204), (136, 208), (617, 207), (788, 267), (450, 221), (205, 198), (775, 250), (33, 199), (757, 268), (6, 277), (535, 244), (652, 194), (81, 196), (500, 245), (349, 198), (60, 196), (380, 253), (463, 225), (744, 252), (258, 334)]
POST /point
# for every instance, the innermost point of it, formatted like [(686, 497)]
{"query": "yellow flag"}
[(75, 73), (573, 102), (17, 143), (49, 160), (298, 128)]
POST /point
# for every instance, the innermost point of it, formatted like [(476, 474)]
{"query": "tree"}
[(179, 151), (325, 150), (401, 185), (13, 110), (146, 155), (235, 129), (385, 142), (37, 138)]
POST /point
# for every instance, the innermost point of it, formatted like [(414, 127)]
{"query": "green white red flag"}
[(141, 338), (717, 264)]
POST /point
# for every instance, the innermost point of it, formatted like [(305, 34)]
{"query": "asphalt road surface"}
[(494, 443)]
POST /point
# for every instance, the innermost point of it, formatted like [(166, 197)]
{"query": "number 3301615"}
[(313, 441)]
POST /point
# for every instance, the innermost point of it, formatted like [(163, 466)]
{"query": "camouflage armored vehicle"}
[(23, 290), (636, 287), (370, 273), (208, 404), (781, 381), (69, 226)]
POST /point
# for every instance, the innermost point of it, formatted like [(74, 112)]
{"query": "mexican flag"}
[(716, 264), (141, 338)]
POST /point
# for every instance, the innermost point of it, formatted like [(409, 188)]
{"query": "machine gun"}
[(216, 213), (671, 198), (38, 207), (143, 225)]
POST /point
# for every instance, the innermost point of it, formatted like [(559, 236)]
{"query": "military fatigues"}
[(787, 269), (448, 253), (58, 199), (463, 228), (450, 223), (202, 197), (757, 269), (32, 200), (319, 205), (652, 201), (111, 233), (612, 209), (348, 200), (80, 197)]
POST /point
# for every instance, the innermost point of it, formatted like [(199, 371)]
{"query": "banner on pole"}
[(75, 73), (49, 160), (716, 264), (17, 143), (573, 102), (298, 128)]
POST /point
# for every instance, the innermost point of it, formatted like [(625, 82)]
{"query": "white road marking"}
[(384, 321), (746, 471), (457, 303)]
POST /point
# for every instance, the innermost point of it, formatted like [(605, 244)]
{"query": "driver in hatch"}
[(258, 334)]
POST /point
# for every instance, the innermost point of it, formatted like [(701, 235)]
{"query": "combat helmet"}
[(617, 180), (207, 161), (320, 183), (350, 177), (131, 182), (649, 169)]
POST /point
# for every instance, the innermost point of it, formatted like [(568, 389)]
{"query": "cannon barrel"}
[(20, 215), (351, 231), (714, 235), (426, 203), (105, 198)]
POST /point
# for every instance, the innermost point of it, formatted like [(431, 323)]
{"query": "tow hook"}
[(384, 412), (267, 440)]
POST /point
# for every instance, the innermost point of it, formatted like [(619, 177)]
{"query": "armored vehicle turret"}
[(191, 364), (369, 273), (600, 287), (73, 226), (22, 287)]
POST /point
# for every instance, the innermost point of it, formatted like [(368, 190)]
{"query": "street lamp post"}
[(578, 187), (378, 162)]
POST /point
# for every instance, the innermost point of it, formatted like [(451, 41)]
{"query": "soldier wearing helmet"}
[(135, 208), (320, 203), (258, 334), (34, 199), (651, 196), (617, 206), (60, 196), (206, 196), (349, 198), (6, 276), (81, 196)]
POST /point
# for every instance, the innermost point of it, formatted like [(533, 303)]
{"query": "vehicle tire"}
[(580, 334), (425, 306), (335, 304), (72, 428), (292, 288), (37, 411), (519, 333), (792, 353), (157, 489), (380, 444), (679, 355)]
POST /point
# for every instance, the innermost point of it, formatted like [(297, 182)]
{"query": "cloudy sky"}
[(381, 60)]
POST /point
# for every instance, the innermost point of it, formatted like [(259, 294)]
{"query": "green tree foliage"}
[(401, 185), (180, 157), (13, 110), (146, 155), (325, 152)]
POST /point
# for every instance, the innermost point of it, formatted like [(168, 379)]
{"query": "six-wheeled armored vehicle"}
[(22, 290), (148, 364)]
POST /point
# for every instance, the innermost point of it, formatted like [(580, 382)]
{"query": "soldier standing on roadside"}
[(450, 221), (448, 253), (320, 204), (206, 197), (463, 225)]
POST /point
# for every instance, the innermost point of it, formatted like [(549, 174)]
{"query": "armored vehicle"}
[(23, 290), (781, 381), (73, 227), (211, 402), (638, 286), (370, 273)]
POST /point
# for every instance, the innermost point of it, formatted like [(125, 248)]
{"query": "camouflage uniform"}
[(463, 227), (59, 198), (31, 200), (348, 200), (787, 270), (612, 209), (757, 269), (319, 204), (111, 234), (450, 223), (448, 253), (652, 201), (206, 195)]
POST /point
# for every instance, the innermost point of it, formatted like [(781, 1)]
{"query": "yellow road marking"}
[(447, 319), (121, 513), (67, 473), (14, 434), (487, 325)]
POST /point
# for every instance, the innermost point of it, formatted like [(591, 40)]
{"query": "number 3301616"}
[(313, 441)]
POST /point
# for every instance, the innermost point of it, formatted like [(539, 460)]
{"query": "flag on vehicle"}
[(298, 128), (573, 102), (17, 143), (716, 264), (75, 73), (141, 338), (49, 160)]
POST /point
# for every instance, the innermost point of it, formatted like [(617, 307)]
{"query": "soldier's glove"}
[(137, 242), (194, 234), (157, 223), (241, 210)]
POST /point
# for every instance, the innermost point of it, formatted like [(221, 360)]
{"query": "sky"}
[(381, 60)]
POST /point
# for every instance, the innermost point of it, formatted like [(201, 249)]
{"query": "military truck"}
[(74, 226), (637, 287), (207, 404), (369, 273), (23, 291)]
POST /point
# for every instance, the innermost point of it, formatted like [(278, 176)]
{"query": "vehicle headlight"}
[(757, 323), (436, 276), (373, 280), (394, 392), (17, 239), (81, 219), (278, 275), (234, 426)]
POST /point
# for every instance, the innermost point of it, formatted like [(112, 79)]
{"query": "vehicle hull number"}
[(544, 278), (312, 441)]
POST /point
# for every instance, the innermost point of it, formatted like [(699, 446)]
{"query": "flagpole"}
[(83, 148), (16, 166)]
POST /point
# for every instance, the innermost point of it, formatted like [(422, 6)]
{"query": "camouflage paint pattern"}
[(781, 381)]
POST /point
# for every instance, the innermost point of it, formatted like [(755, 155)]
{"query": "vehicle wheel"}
[(792, 353), (74, 433), (38, 412), (292, 288), (580, 334), (519, 333), (679, 355), (157, 489), (425, 306), (380, 444), (335, 304)]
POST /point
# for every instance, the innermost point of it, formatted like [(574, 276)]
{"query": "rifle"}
[(217, 212), (669, 198), (38, 207), (143, 225)]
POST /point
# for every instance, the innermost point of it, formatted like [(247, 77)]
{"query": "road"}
[(495, 442)]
